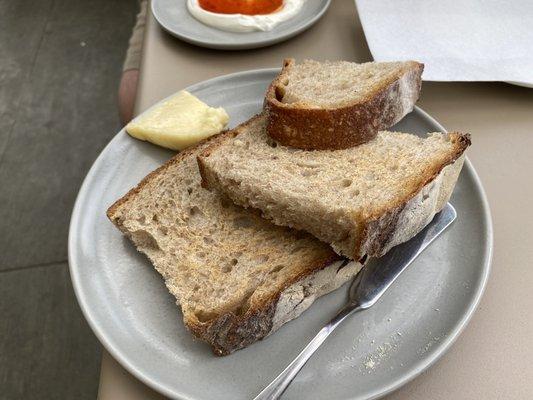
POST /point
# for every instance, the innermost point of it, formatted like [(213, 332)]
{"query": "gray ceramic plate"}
[(376, 351), (523, 84), (174, 17)]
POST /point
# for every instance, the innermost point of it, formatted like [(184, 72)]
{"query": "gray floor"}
[(60, 63)]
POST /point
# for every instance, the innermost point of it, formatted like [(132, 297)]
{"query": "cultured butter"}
[(179, 122)]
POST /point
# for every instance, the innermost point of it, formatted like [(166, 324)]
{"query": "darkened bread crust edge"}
[(339, 128), (232, 331), (382, 226), (229, 331)]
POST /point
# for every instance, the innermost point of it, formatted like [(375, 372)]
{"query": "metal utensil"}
[(368, 286)]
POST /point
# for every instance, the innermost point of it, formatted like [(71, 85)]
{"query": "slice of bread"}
[(336, 105), (363, 200), (236, 276)]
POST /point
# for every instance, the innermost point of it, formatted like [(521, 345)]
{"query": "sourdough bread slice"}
[(337, 105), (236, 276), (363, 200)]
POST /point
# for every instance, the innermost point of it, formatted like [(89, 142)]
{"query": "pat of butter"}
[(179, 122)]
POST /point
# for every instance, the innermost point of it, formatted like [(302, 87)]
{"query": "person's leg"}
[(130, 73), (126, 94)]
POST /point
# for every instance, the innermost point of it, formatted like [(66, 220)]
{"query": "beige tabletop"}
[(493, 357)]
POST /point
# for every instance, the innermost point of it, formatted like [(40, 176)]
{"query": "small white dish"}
[(175, 18)]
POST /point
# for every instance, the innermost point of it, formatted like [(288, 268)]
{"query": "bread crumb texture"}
[(334, 84), (216, 258), (342, 195)]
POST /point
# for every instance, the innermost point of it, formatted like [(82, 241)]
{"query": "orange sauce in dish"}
[(246, 7)]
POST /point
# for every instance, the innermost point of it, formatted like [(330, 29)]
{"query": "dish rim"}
[(247, 45)]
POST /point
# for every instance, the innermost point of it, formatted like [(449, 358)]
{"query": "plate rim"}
[(253, 44), (521, 84), (123, 359)]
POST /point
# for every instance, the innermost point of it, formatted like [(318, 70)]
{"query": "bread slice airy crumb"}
[(363, 200), (337, 105), (236, 276)]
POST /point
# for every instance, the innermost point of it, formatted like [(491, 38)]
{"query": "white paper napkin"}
[(457, 40)]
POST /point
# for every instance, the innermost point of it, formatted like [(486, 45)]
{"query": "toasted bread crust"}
[(229, 331), (381, 231), (344, 127)]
